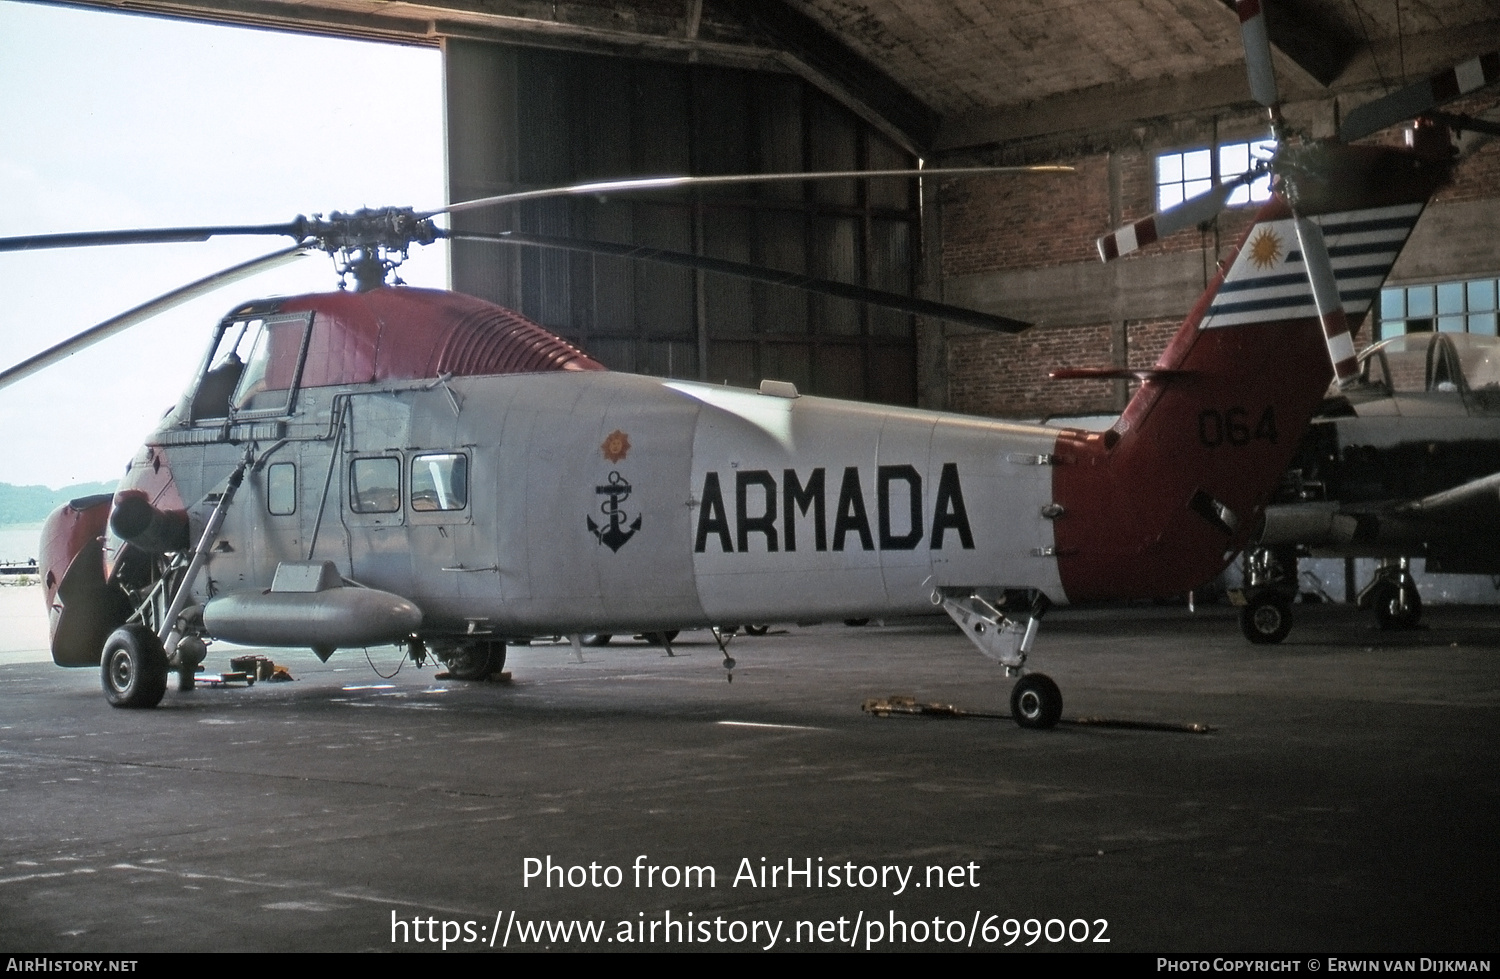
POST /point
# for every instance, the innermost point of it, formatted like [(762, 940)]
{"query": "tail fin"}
[(1164, 500)]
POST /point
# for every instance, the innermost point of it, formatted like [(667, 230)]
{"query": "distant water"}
[(20, 542)]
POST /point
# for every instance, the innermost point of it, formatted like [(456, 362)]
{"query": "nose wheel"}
[(134, 668), (475, 660), (1266, 618), (1035, 701)]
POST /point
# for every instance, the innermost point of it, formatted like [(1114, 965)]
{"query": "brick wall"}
[(1023, 221), (1477, 176), (1009, 223), (1006, 376), (1012, 222)]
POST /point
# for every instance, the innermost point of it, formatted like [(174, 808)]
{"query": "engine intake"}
[(134, 519)]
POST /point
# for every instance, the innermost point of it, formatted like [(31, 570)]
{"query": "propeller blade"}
[(1415, 99), (1325, 289), (143, 236), (796, 280), (632, 184), (145, 311), (1193, 211), (1258, 53)]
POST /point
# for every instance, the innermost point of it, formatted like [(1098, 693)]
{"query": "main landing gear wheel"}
[(134, 667), (595, 638), (476, 660), (1036, 702), (1389, 610), (757, 630), (1266, 619)]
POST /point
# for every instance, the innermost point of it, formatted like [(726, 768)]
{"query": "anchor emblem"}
[(614, 534)]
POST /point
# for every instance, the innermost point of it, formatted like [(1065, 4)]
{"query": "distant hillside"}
[(31, 504)]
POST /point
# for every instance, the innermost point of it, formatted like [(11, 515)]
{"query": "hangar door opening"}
[(522, 118)]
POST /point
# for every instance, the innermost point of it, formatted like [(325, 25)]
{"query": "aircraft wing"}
[(1464, 519), (1475, 503)]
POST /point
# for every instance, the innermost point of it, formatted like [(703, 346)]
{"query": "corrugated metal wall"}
[(525, 117)]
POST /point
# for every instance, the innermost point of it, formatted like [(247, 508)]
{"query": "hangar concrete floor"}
[(1346, 802)]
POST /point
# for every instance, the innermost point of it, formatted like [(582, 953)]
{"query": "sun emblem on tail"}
[(1265, 250)]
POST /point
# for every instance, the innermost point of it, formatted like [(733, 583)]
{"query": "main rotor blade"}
[(633, 184), (795, 280), (1415, 99), (143, 236), (145, 311), (1193, 211)]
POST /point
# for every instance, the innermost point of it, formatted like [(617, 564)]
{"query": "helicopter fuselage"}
[(564, 502)]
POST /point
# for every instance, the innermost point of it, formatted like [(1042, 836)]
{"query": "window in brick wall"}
[(1467, 306), (1180, 176)]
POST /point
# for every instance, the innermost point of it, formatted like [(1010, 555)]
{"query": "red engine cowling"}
[(82, 609)]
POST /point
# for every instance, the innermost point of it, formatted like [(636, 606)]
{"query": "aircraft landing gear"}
[(1266, 618), (1035, 701), (134, 667), (474, 660), (1393, 592), (1270, 587)]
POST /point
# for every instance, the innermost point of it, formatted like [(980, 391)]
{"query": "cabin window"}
[(281, 489), (375, 485), (1180, 176), (440, 481)]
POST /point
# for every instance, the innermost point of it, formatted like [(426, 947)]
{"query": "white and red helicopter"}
[(396, 465)]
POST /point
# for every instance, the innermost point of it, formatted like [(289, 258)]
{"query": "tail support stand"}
[(1003, 639), (719, 638), (1035, 701)]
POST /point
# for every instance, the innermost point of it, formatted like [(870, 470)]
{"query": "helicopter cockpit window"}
[(271, 371), (1479, 358), (1406, 359), (1373, 374), (440, 481), (375, 485), (254, 367), (1443, 376), (225, 369)]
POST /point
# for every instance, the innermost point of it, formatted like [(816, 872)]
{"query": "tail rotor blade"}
[(1193, 211), (1258, 53), (1325, 289), (145, 311), (1420, 97)]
